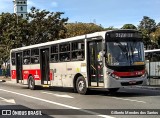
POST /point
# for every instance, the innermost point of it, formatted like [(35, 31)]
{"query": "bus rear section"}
[(31, 67)]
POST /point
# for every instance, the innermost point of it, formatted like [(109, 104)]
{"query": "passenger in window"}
[(67, 57), (62, 58), (55, 58), (36, 60), (13, 62), (26, 61), (79, 55), (74, 56)]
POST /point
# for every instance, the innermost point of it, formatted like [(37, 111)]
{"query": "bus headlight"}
[(113, 75)]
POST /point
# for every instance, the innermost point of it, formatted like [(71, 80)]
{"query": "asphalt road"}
[(62, 102)]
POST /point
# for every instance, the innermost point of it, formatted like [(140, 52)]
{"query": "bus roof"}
[(92, 35), (96, 34)]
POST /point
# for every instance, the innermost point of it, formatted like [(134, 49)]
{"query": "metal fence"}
[(153, 69)]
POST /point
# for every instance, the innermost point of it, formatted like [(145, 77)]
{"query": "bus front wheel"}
[(81, 85), (31, 83)]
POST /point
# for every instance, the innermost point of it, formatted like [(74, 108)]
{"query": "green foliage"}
[(156, 36), (147, 26), (158, 25), (110, 28), (42, 26), (39, 27), (75, 29), (45, 26), (10, 34), (4, 72), (129, 26)]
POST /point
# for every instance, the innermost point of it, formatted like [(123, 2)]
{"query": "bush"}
[(4, 72)]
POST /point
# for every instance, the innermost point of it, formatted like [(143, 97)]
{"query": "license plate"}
[(132, 82)]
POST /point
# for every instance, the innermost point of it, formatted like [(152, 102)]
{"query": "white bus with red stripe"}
[(108, 59)]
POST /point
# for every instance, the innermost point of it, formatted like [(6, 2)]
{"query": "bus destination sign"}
[(125, 35)]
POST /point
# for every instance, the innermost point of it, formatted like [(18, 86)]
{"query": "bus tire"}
[(31, 83), (81, 85), (113, 90)]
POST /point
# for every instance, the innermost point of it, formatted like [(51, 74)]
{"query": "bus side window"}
[(64, 52), (35, 56), (54, 53), (26, 57), (77, 51), (13, 58)]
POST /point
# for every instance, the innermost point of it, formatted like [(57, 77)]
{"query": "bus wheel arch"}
[(31, 83), (81, 86), (75, 80)]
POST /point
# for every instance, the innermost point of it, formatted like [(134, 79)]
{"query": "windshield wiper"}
[(132, 49), (124, 49)]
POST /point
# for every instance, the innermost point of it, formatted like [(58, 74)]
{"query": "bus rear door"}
[(44, 65), (19, 67)]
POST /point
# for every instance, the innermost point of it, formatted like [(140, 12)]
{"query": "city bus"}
[(153, 63), (102, 60)]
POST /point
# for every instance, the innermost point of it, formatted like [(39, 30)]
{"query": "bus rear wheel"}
[(31, 83), (81, 85)]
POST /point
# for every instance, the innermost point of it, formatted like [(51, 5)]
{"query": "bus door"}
[(19, 67), (95, 66), (44, 65)]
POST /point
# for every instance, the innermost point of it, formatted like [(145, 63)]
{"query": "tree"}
[(39, 27), (158, 25), (45, 26), (147, 26), (156, 36), (110, 28), (76, 29), (10, 34), (129, 26)]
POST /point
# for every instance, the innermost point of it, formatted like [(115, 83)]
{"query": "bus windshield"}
[(125, 53)]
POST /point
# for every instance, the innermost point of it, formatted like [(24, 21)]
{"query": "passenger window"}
[(26, 57), (13, 58), (64, 52), (54, 53), (35, 56), (77, 51)]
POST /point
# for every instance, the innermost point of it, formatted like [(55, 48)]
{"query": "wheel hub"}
[(81, 85)]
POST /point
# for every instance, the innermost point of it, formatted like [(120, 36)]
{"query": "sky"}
[(107, 13)]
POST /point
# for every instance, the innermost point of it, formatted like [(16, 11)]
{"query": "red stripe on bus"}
[(35, 73), (134, 73), (13, 74)]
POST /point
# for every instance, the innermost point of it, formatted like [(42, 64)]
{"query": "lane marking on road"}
[(58, 95), (59, 104), (129, 100), (8, 100)]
